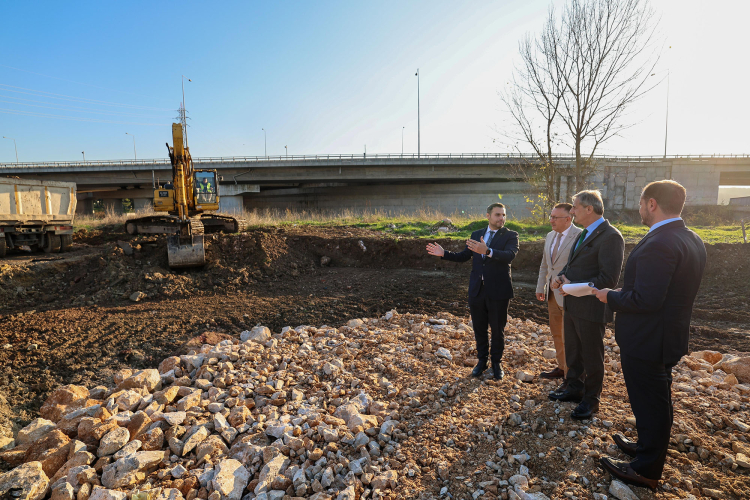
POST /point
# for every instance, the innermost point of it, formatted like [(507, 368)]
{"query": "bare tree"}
[(585, 68), (535, 99)]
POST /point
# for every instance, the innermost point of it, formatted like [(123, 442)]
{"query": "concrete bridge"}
[(391, 183)]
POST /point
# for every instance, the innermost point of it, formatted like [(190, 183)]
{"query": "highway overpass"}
[(394, 183)]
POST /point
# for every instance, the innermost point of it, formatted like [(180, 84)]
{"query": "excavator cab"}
[(206, 194)]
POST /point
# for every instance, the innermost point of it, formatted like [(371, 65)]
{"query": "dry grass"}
[(269, 217)]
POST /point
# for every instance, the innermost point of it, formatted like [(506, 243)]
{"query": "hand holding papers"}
[(579, 289)]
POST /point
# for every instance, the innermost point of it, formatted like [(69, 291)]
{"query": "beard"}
[(647, 220)]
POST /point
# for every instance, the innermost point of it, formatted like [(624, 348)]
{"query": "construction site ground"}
[(72, 318)]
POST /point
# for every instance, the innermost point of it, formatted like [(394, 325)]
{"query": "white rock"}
[(165, 494), (354, 323), (106, 494), (524, 376), (442, 352), (519, 480), (113, 441), (130, 470), (269, 472), (347, 494), (619, 490), (175, 417), (258, 334), (36, 429), (230, 479), (549, 354)]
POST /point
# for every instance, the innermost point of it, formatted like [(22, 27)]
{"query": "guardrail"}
[(329, 157)]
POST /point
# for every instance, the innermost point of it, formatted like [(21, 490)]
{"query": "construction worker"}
[(205, 190)]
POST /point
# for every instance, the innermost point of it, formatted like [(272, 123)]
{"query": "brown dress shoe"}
[(556, 373), (625, 473), (626, 445)]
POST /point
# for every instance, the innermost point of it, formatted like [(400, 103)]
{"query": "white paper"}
[(579, 289)]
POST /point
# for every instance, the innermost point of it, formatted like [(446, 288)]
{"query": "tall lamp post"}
[(14, 145), (666, 122), (265, 143), (84, 156), (286, 152), (419, 149), (184, 116), (135, 155), (402, 141)]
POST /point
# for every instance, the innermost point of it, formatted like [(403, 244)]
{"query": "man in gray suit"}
[(556, 251), (596, 257)]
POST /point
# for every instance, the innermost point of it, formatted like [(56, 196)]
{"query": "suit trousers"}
[(584, 354), (649, 386), (493, 313), (556, 329)]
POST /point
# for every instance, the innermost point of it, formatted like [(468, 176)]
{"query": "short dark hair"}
[(564, 206), (493, 206), (669, 195)]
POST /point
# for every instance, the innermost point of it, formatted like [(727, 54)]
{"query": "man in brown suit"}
[(556, 250)]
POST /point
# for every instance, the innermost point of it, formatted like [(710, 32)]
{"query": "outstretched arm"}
[(438, 251)]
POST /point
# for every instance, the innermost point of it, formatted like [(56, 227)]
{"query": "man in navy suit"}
[(490, 287), (652, 326)]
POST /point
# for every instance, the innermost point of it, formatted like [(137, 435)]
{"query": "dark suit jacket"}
[(496, 270), (661, 280), (597, 260)]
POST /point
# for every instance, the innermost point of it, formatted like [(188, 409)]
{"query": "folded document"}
[(579, 289)]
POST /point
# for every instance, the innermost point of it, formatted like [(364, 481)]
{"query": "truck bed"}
[(32, 201)]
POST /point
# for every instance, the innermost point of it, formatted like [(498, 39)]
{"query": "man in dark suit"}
[(595, 258), (652, 326), (490, 287)]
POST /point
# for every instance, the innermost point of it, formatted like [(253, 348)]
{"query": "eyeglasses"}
[(565, 217)]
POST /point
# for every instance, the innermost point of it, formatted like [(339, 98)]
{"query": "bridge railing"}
[(360, 157)]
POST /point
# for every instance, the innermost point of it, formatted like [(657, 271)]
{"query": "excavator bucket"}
[(189, 252)]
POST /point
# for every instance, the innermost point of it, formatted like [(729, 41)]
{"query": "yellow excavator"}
[(186, 202)]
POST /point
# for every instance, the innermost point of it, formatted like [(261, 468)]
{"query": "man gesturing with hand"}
[(490, 288)]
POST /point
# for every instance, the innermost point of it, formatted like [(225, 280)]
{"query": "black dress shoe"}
[(584, 411), (479, 369), (625, 473), (566, 395), (561, 388), (556, 373), (626, 445), (497, 371)]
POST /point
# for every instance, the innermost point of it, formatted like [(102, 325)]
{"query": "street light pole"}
[(135, 155), (286, 152), (402, 141), (265, 143), (184, 117), (14, 145), (419, 148), (666, 122), (84, 156)]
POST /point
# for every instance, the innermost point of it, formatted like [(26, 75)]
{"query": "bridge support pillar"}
[(143, 204), (85, 206), (231, 204), (113, 205)]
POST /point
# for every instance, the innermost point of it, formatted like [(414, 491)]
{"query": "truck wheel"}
[(53, 244), (66, 241), (131, 228), (3, 247)]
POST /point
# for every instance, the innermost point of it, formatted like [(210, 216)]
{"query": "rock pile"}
[(379, 408)]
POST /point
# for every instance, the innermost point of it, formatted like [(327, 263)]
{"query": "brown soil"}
[(67, 319)]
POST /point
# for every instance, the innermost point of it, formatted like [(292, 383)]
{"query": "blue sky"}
[(327, 77)]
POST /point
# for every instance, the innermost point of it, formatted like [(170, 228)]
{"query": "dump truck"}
[(36, 214)]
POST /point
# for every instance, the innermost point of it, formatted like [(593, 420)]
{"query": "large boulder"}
[(230, 479), (740, 367), (25, 482), (61, 399), (106, 494), (131, 470), (35, 430), (259, 334), (51, 450), (269, 472), (142, 379)]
